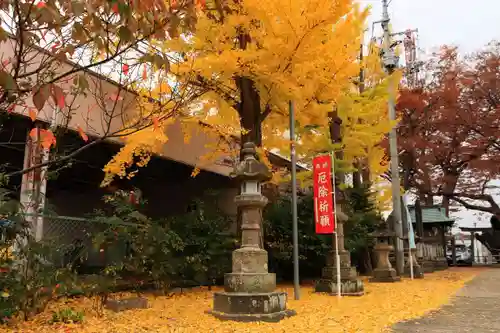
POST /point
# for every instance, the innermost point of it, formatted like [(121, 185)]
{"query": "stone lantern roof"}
[(250, 168), (383, 231)]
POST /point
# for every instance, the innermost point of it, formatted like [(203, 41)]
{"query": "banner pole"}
[(337, 256), (295, 232), (411, 235), (411, 262)]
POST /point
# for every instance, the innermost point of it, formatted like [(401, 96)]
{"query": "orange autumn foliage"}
[(45, 137)]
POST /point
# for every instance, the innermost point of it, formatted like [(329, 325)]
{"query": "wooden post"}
[(419, 220), (34, 183), (472, 246), (443, 239), (453, 251)]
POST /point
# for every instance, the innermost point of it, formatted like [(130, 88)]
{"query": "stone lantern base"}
[(350, 284), (385, 275), (248, 307), (384, 271), (440, 264), (347, 287), (418, 272), (249, 292)]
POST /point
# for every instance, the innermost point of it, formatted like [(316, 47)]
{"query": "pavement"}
[(475, 309)]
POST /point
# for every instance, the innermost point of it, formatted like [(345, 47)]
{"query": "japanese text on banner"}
[(323, 195)]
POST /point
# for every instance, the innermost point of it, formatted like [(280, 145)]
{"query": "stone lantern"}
[(249, 291), (350, 284), (384, 271)]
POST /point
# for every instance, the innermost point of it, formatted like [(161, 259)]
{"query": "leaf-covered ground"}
[(383, 305)]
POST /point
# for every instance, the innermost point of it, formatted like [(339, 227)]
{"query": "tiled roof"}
[(430, 214), (433, 214)]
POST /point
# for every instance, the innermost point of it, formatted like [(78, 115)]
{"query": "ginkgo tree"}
[(252, 57), (364, 126)]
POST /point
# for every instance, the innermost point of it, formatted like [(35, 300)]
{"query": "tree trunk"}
[(367, 261), (449, 187), (250, 112), (365, 173), (249, 108), (426, 199), (356, 175)]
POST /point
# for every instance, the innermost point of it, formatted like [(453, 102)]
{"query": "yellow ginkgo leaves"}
[(381, 306)]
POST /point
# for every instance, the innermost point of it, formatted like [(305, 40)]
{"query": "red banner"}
[(324, 211)]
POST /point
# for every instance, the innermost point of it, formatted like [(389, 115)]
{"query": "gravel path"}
[(475, 309)]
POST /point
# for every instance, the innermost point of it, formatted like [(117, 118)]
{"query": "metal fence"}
[(75, 238), (67, 230)]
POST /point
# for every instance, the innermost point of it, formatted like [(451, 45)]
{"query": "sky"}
[(467, 24), (470, 25)]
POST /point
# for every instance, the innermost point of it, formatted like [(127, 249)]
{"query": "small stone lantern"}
[(384, 271), (249, 291)]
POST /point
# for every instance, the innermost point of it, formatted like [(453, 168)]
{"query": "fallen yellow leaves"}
[(382, 306)]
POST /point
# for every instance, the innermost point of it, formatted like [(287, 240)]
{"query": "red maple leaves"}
[(449, 134)]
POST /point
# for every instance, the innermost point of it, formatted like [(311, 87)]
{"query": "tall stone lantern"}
[(350, 284), (249, 290)]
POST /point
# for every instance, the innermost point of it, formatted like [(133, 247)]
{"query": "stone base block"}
[(418, 272), (347, 287), (385, 275), (346, 273), (118, 305), (247, 307), (440, 265), (249, 282), (428, 266), (249, 259)]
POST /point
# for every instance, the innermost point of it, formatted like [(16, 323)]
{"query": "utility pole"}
[(295, 231), (360, 165), (390, 61)]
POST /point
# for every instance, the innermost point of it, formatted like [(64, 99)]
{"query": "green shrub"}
[(29, 276), (278, 238), (188, 249), (136, 247), (208, 244), (67, 316), (362, 219)]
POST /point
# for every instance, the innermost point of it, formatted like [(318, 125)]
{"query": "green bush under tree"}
[(30, 274), (189, 249), (362, 219), (278, 238)]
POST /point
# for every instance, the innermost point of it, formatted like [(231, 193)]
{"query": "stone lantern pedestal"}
[(384, 271), (350, 284), (249, 290)]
